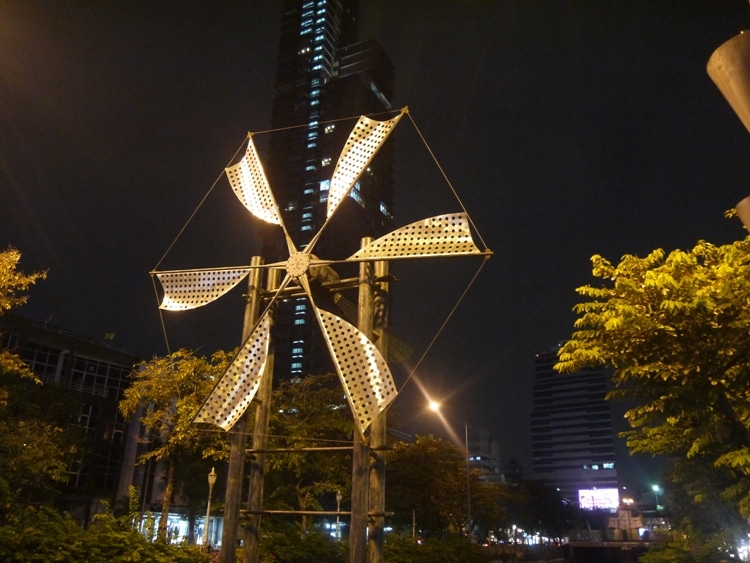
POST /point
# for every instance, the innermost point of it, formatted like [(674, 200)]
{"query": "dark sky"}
[(567, 128)]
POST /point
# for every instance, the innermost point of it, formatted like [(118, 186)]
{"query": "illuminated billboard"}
[(589, 499)]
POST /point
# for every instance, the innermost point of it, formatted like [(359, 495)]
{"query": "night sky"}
[(566, 128)]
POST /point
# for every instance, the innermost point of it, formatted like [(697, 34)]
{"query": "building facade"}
[(572, 433), (94, 375)]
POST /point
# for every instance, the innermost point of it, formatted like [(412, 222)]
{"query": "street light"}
[(435, 407), (211, 483), (656, 495), (338, 509)]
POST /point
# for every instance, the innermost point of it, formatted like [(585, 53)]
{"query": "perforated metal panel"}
[(237, 387), (443, 235), (363, 372), (249, 182), (364, 141), (194, 288)]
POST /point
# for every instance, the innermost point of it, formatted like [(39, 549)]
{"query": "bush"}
[(401, 549), (312, 547), (42, 534)]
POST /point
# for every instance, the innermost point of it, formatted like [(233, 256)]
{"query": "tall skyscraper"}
[(325, 78), (572, 434)]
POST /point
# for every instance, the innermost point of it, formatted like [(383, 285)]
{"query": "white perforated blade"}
[(364, 373), (189, 289), (249, 182), (364, 141), (235, 390), (443, 235)]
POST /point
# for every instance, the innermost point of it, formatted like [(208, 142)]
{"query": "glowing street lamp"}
[(211, 483), (655, 488)]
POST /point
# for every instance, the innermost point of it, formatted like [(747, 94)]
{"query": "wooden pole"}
[(238, 433), (260, 442), (378, 431), (361, 452)]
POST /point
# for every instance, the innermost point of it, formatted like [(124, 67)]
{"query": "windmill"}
[(362, 370)]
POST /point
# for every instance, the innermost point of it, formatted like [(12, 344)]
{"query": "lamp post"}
[(435, 407), (338, 509), (656, 495), (211, 483)]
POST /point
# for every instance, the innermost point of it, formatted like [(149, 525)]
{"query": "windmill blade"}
[(236, 388), (364, 141), (250, 185), (189, 289), (442, 235), (367, 381)]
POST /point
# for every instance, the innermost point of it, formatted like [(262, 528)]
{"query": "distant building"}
[(324, 75), (96, 372), (572, 433), (484, 454)]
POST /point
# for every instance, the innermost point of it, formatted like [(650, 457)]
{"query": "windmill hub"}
[(298, 264)]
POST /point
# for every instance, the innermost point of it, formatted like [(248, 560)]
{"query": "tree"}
[(308, 412), (13, 286), (166, 394), (427, 479), (675, 328), (34, 450)]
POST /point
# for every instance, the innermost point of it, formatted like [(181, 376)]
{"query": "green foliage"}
[(429, 478), (36, 452), (166, 393), (676, 330), (14, 282), (311, 412), (293, 547), (684, 546), (41, 534), (401, 549)]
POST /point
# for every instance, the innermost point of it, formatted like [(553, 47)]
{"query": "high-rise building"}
[(572, 433), (325, 78)]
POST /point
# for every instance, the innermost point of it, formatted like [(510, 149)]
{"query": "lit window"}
[(315, 102), (301, 320), (297, 351), (291, 206), (330, 127), (312, 145), (300, 307), (305, 228), (356, 195), (326, 161), (307, 216), (305, 31), (310, 167), (296, 366), (314, 93), (309, 191), (324, 185)]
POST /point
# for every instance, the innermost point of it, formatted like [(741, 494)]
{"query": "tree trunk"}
[(166, 501)]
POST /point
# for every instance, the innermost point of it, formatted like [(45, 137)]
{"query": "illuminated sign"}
[(589, 499)]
